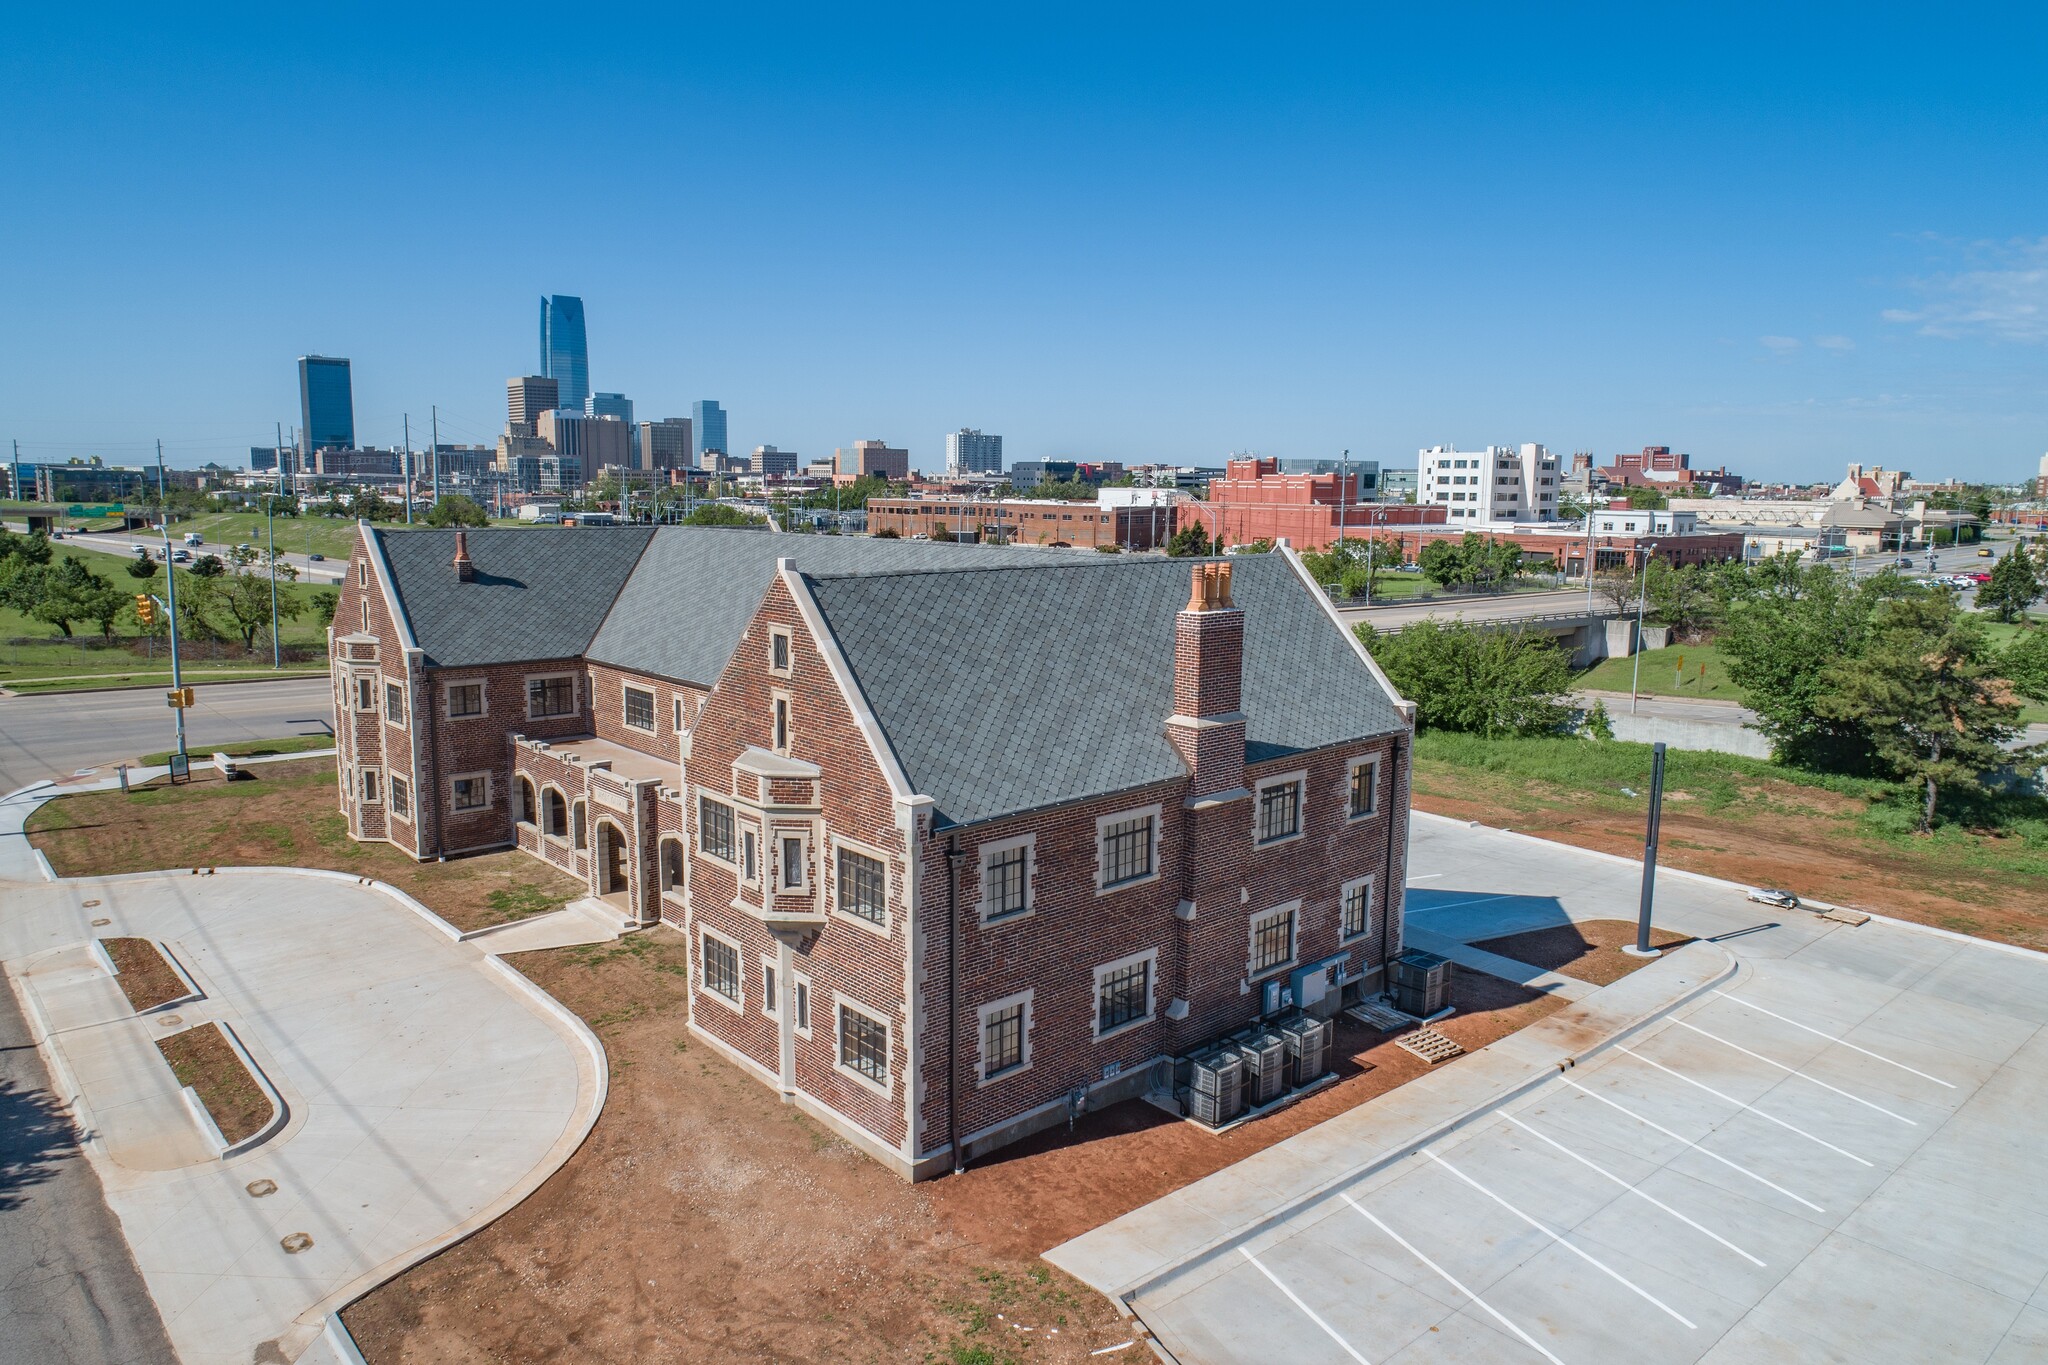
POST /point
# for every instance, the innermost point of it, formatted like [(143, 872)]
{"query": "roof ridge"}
[(1100, 562)]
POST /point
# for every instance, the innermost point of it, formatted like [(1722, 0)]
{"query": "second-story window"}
[(714, 829), (465, 700), (1004, 882), (1126, 850), (640, 709), (1365, 788), (394, 703), (554, 695), (863, 887), (1279, 811), (782, 725)]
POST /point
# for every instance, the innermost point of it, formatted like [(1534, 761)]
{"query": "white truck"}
[(194, 538)]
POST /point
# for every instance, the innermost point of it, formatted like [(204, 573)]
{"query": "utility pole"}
[(1343, 476), (1642, 591), (435, 458), (17, 474), (183, 760), (1642, 946), (405, 468)]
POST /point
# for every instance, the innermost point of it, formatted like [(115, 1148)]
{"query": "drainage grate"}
[(1373, 1014), (1430, 1045)]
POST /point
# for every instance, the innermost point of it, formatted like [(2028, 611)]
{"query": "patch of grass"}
[(204, 1059), (1662, 674), (518, 902), (252, 748)]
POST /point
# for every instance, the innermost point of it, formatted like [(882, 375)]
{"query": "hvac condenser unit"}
[(1265, 1066), (1422, 983), (1308, 1040)]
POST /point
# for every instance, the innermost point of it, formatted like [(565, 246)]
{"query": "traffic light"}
[(145, 609), (179, 698)]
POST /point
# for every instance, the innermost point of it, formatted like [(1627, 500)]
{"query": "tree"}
[(61, 593), (1682, 596), (2025, 664), (242, 556), (367, 506), (1486, 682), (324, 604), (207, 566), (456, 510), (244, 599), (888, 533), (1643, 497), (722, 514), (196, 602), (1925, 693), (1443, 563), (142, 568), (2015, 586), (1188, 540), (1571, 507), (33, 549), (1617, 586)]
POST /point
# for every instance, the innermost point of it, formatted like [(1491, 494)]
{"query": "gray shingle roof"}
[(538, 593), (683, 611), (1003, 691)]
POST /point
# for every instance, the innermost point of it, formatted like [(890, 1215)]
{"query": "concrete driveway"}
[(1833, 1154), (426, 1089)]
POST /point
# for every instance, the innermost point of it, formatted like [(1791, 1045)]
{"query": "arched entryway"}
[(610, 863)]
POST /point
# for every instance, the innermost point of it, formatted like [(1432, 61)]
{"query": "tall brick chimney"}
[(1207, 724), (464, 570)]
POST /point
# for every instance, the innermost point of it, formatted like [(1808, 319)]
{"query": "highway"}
[(1506, 607), (122, 543), (54, 735)]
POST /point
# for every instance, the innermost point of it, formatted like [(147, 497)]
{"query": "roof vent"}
[(464, 569)]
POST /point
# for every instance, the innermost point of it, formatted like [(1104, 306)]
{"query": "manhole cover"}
[(101, 922), (170, 1021), (259, 1188), (1429, 1045), (295, 1242)]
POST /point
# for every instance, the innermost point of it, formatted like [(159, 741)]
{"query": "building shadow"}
[(36, 1134)]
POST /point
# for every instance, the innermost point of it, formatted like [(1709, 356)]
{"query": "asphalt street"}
[(70, 1293), (122, 543), (53, 736)]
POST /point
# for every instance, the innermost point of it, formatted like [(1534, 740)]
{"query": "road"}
[(1509, 607), (52, 736), (122, 543), (70, 1293)]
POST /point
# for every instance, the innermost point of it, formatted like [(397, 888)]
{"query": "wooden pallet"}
[(1386, 1019), (1431, 1046)]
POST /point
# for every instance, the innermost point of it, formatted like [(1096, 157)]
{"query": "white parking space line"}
[(1313, 1316), (1638, 1193), (1752, 1005), (1609, 1271), (1797, 1072), (1451, 1280), (1733, 1166), (1452, 905), (1768, 1118)]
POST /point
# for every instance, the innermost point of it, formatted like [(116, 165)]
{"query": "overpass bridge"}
[(1588, 634)]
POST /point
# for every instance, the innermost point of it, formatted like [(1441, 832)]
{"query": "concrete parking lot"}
[(1833, 1155)]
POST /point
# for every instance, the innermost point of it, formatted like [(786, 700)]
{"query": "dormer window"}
[(778, 651)]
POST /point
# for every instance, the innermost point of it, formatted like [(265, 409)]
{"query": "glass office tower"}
[(327, 408), (564, 355), (710, 424)]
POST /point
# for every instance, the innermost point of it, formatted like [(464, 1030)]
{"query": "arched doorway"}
[(611, 861)]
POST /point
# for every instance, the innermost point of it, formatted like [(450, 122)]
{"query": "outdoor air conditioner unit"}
[(1265, 1066), (1422, 983)]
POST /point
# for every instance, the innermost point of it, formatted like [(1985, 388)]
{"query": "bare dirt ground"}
[(203, 1059), (706, 1221), (279, 814), (1587, 951), (145, 978)]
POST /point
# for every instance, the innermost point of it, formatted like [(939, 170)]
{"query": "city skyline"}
[(1380, 233)]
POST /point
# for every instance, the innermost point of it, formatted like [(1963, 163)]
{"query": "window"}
[(557, 812), (1005, 1036), (366, 694), (778, 652), (1006, 878), (640, 709), (1272, 941), (677, 703), (394, 703), (363, 572), (1365, 788), (363, 610), (525, 801), (465, 700), (369, 784), (472, 791), (863, 887), (1123, 994), (770, 1002), (750, 857), (579, 823), (714, 829), (401, 799), (554, 695), (863, 1045), (1357, 908), (792, 862), (721, 967), (781, 745), (800, 1004), (1279, 810), (672, 866), (1126, 849)]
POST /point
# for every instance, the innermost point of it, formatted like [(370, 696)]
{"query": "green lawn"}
[(334, 537), (1661, 674), (253, 748)]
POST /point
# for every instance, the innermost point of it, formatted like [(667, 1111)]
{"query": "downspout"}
[(953, 857), (433, 762), (1387, 897)]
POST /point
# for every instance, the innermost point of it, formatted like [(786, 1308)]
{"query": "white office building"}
[(1497, 484), (973, 452)]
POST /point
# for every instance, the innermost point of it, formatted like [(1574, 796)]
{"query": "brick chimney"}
[(1207, 724), (464, 570)]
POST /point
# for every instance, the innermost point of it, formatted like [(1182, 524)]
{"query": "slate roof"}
[(1002, 690), (683, 611), (539, 593)]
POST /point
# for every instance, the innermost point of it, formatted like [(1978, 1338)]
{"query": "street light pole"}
[(1642, 591), (1642, 946), (163, 509)]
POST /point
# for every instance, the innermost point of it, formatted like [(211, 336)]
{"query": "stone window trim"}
[(781, 721), (365, 690), (579, 825), (1103, 823), (841, 1007), (779, 835), (982, 1017), (450, 686), (676, 709), (800, 1002), (363, 573), (1371, 791), (575, 694), (781, 644), (1345, 933), (369, 786), (772, 988), (626, 694), (729, 860), (989, 854), (399, 798), (1150, 957), (737, 1004), (489, 794), (1290, 914), (547, 832), (837, 843), (363, 610), (671, 879), (1298, 779), (394, 700)]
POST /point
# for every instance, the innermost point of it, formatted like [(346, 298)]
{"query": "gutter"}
[(953, 857)]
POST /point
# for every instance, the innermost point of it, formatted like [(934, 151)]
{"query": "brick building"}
[(1023, 521), (930, 924), (1662, 467), (1255, 501)]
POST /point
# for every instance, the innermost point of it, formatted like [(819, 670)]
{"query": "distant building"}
[(330, 462), (88, 481), (1874, 482), (666, 444), (1396, 484), (1256, 500), (526, 398), (327, 410), (873, 460), (2041, 480), (1366, 472), (268, 459), (771, 463), (609, 405), (1031, 473), (564, 355), (560, 474), (1497, 484), (710, 423), (1022, 521), (969, 451), (589, 441), (461, 462), (1657, 466), (1653, 521)]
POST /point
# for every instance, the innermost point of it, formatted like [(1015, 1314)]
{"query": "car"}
[(180, 556), (1765, 895), (1905, 561), (1984, 552), (56, 535), (138, 549), (317, 559), (1978, 577)]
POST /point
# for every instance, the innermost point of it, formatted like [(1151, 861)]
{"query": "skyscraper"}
[(327, 406), (973, 452), (564, 355), (666, 444), (526, 398), (609, 405), (710, 420)]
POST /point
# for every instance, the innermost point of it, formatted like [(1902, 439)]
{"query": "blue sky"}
[(1780, 239)]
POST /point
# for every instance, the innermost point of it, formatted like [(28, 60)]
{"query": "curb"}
[(280, 1113), (160, 686)]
